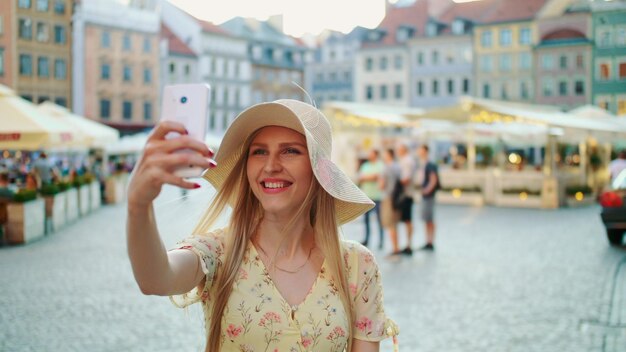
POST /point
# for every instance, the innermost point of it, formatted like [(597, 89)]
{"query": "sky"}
[(299, 16)]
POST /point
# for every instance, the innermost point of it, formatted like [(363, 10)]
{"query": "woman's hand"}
[(159, 161)]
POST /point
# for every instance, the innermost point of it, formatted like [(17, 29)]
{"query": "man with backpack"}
[(430, 185)]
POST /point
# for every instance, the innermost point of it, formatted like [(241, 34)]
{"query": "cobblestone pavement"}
[(499, 280)]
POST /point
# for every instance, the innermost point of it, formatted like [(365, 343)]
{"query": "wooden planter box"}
[(589, 199), (95, 200), (25, 221), (115, 189), (83, 200), (71, 205), (514, 201), (465, 198), (55, 210)]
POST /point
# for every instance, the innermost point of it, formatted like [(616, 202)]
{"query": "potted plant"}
[(80, 183), (25, 217), (465, 195), (54, 196), (71, 201), (95, 195), (519, 198)]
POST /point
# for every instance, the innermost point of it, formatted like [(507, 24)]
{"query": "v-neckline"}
[(292, 307)]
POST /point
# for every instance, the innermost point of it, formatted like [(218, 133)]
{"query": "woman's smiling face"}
[(279, 170)]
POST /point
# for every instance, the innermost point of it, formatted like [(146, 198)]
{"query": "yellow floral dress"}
[(257, 317)]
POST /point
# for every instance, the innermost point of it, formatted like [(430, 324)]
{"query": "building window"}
[(59, 7), (269, 54), (547, 87), (580, 61), (147, 111), (450, 87), (505, 37), (333, 76), (1, 61), (42, 32), (347, 76), (621, 106), (604, 36), (43, 67), (486, 90), (105, 108), (24, 4), (604, 71), (26, 28), (383, 63), (504, 94), (563, 88), (398, 62), (127, 110), (105, 71), (505, 62), (27, 97), (603, 102), (563, 62), (620, 35), (147, 75), (435, 60), (485, 63), (466, 85), (61, 101), (525, 61), (59, 34), (369, 64), (187, 70), (172, 68), (622, 70), (126, 43), (26, 65), (579, 87), (524, 36), (105, 40), (398, 91), (369, 93), (42, 5), (420, 58), (42, 99), (485, 39), (420, 88), (147, 45), (524, 90), (383, 92), (60, 69), (127, 73), (547, 62), (435, 88)]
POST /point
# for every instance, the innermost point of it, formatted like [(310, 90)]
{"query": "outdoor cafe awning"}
[(24, 127), (96, 134), (369, 115)]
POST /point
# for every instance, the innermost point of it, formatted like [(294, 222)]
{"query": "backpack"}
[(397, 194)]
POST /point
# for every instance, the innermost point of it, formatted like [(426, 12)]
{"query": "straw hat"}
[(350, 201)]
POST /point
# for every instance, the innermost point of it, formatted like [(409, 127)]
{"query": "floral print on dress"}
[(258, 319)]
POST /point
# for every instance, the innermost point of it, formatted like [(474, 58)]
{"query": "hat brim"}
[(350, 201)]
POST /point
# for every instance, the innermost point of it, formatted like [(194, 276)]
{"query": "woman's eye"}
[(257, 152), (292, 151)]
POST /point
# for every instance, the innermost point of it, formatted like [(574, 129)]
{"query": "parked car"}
[(613, 202)]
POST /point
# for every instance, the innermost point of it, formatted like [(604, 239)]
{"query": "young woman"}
[(278, 278)]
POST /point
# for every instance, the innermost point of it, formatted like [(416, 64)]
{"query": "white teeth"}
[(274, 185)]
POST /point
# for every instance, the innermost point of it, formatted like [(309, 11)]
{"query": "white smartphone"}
[(187, 104)]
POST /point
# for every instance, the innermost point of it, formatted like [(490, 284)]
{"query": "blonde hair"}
[(246, 216)]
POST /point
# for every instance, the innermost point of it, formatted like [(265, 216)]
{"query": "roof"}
[(175, 44), (253, 29), (414, 15), (209, 27), (513, 10), (474, 11)]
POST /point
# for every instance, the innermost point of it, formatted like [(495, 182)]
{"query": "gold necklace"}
[(295, 271)]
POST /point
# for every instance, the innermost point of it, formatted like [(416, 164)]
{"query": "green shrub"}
[(49, 189), (78, 181), (64, 186), (474, 189), (89, 177), (572, 190), (25, 195), (520, 190)]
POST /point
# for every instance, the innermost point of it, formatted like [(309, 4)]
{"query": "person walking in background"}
[(44, 170), (389, 214), (618, 165), (430, 185), (369, 174), (407, 171)]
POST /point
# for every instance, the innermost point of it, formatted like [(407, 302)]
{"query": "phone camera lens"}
[(183, 100)]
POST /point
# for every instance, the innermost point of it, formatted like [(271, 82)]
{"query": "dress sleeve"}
[(371, 322), (209, 248)]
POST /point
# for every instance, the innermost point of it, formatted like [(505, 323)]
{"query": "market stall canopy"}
[(372, 115), (25, 127), (97, 135), (134, 144), (591, 111)]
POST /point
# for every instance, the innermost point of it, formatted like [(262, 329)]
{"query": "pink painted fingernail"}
[(196, 186), (211, 153), (212, 164)]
